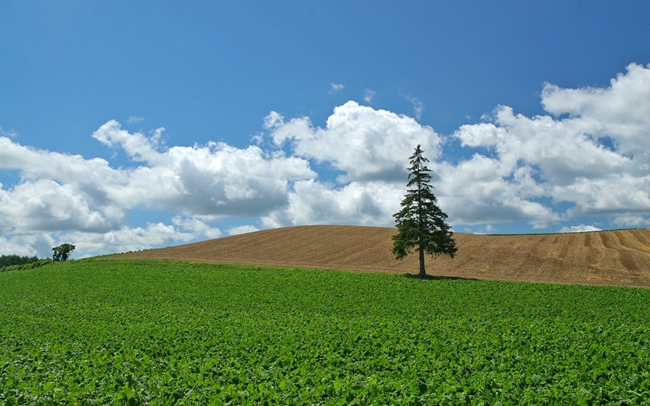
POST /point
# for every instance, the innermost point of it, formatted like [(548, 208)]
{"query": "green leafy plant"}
[(163, 332)]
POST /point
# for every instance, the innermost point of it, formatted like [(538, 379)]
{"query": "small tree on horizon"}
[(62, 252), (420, 223)]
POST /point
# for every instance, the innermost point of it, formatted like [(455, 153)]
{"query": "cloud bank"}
[(587, 156)]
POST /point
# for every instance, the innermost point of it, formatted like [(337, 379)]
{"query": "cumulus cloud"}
[(552, 145), (197, 226), (619, 111), (121, 239), (45, 205), (62, 193), (360, 203), (631, 220), (484, 230), (27, 244), (568, 157), (126, 239), (242, 229), (204, 180), (366, 144), (586, 157), (479, 190), (579, 229), (199, 180), (58, 191), (36, 164)]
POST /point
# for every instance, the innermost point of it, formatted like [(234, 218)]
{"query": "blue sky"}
[(128, 125)]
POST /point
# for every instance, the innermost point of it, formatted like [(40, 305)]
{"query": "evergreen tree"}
[(420, 223)]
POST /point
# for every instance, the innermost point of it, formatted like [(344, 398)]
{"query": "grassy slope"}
[(97, 332)]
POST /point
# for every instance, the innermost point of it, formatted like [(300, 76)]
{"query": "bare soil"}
[(620, 257)]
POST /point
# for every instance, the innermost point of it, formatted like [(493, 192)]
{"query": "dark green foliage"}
[(29, 265), (420, 223), (8, 260), (166, 333), (62, 252)]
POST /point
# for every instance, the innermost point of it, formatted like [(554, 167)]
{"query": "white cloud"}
[(45, 205), (134, 119), (197, 227), (587, 157), (242, 229), (476, 191), (368, 96), (365, 143), (126, 239), (60, 193), (216, 179), (483, 230), (204, 180), (579, 229), (36, 164), (619, 111), (529, 162), (361, 203), (553, 146), (27, 245), (8, 133), (121, 239), (418, 106), (336, 88), (565, 158), (136, 145), (631, 220)]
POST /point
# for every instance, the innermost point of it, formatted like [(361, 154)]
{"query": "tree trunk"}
[(423, 272)]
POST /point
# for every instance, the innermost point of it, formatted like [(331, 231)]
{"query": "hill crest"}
[(620, 257)]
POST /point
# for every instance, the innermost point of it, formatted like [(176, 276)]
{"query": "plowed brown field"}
[(619, 257)]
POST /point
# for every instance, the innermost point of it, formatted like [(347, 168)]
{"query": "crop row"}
[(138, 332)]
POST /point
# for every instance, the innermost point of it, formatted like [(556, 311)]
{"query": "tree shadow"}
[(438, 278)]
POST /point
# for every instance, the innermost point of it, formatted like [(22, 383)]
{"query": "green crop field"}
[(94, 332)]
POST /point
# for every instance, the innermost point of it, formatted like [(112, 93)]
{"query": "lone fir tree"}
[(420, 223)]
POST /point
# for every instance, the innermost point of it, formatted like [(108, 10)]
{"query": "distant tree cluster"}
[(62, 252), (9, 260)]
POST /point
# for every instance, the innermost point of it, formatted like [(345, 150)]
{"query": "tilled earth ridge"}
[(620, 257)]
